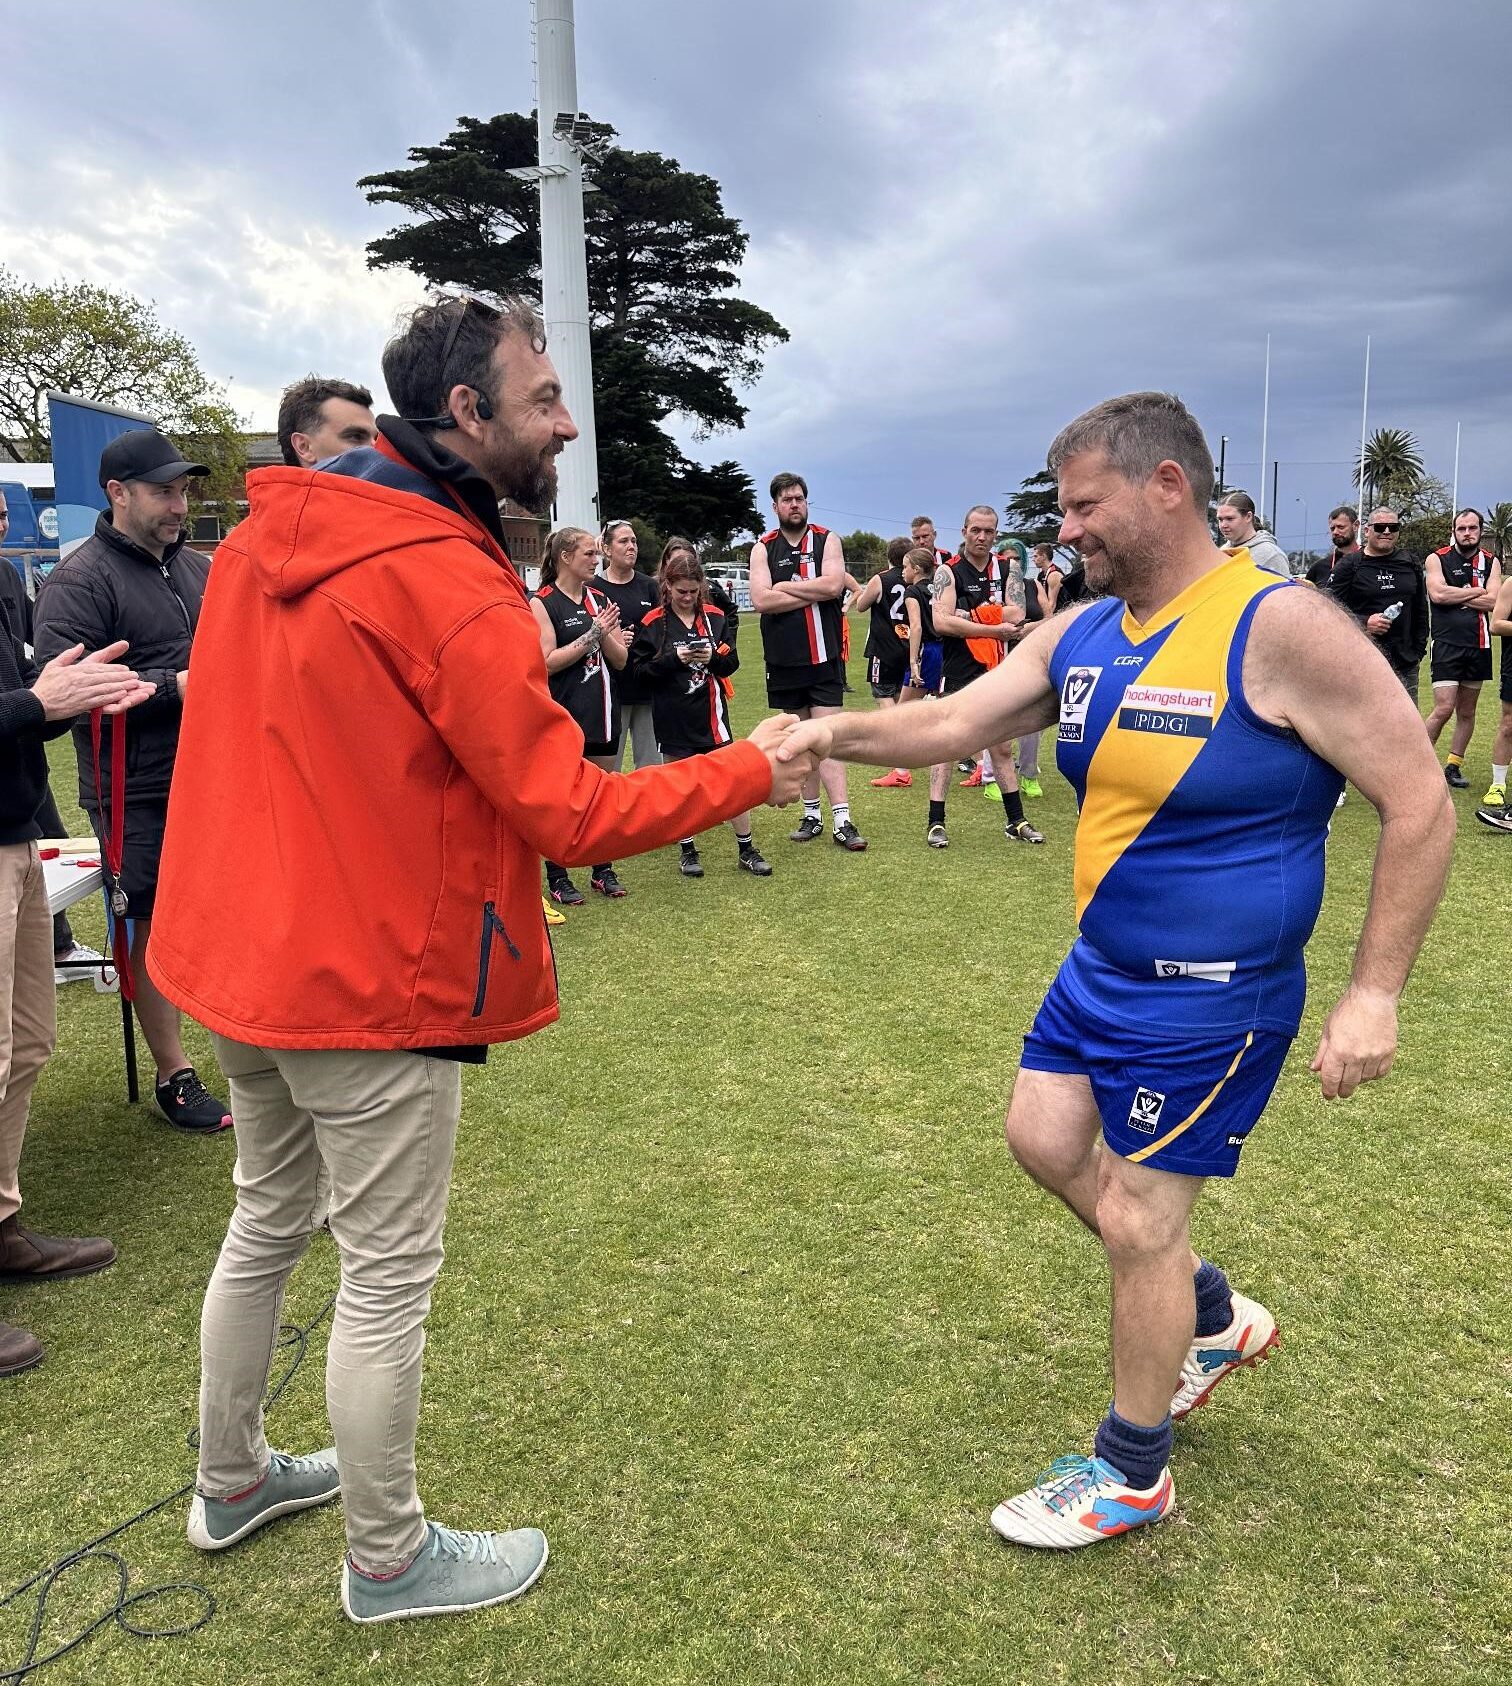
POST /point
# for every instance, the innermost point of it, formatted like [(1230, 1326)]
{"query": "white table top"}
[(69, 881)]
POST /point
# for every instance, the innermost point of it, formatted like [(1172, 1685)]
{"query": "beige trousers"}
[(28, 1004), (380, 1127)]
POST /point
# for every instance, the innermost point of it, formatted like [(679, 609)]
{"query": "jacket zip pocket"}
[(492, 926)]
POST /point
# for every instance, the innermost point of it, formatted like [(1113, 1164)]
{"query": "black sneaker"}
[(607, 884), (1020, 831), (849, 838), (935, 837), (807, 829), (966, 766), (753, 861), (690, 866), (1455, 779), (565, 893), (188, 1105)]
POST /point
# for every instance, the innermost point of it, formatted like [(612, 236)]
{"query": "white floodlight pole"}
[(1265, 432), (1364, 411), (1454, 507), (564, 258)]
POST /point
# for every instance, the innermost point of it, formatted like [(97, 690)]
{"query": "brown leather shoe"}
[(26, 1256), (19, 1349)]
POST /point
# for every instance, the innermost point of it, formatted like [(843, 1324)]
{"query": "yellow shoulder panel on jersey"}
[(1133, 771)]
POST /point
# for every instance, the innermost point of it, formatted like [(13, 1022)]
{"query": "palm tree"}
[(1499, 527), (1391, 464)]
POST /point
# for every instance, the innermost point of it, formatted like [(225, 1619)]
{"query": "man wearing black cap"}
[(135, 579)]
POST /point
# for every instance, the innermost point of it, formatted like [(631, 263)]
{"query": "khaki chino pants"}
[(381, 1126), (28, 1004)]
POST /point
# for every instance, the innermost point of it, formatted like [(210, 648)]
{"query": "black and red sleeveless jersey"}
[(806, 637), (689, 707), (585, 688), (884, 641), (1456, 623), (974, 587)]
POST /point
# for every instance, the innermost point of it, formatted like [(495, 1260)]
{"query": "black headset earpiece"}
[(447, 419)]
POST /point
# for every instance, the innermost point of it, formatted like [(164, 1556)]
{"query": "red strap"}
[(114, 840)]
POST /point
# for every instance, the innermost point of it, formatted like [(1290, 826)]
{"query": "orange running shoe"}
[(897, 779), (974, 782)]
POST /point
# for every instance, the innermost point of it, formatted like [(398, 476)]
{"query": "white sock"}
[(812, 810), (987, 772), (1499, 774), (839, 814)]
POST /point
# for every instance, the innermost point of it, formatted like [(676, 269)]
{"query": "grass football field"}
[(746, 1305)]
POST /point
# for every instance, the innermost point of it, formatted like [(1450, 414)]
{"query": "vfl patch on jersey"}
[(1167, 709), (1076, 696), (1219, 971), (1144, 1115)]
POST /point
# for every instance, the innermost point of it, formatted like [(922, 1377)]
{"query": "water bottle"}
[(1392, 613)]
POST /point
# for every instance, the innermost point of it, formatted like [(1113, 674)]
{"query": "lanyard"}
[(113, 841)]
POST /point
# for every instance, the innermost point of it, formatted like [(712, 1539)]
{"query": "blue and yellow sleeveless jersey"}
[(1199, 855)]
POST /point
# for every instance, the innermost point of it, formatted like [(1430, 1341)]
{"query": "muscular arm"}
[(1486, 600), (950, 624), (1501, 615), (1015, 697), (866, 595), (769, 599), (1307, 668), (1441, 592)]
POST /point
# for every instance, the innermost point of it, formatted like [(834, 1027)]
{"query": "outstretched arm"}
[(1015, 697)]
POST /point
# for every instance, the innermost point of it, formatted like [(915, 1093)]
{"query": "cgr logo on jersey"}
[(1168, 710), (1144, 1115), (1075, 698), (1129, 661)]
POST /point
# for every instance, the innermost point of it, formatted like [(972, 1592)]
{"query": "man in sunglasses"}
[(1386, 591)]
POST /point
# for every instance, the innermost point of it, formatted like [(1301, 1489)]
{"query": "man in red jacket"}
[(392, 769)]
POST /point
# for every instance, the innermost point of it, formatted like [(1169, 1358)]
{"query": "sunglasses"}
[(1385, 526)]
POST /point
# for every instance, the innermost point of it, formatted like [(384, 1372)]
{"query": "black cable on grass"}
[(291, 1335)]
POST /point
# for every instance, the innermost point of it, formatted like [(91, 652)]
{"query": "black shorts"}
[(1506, 684), (141, 850), (790, 689), (612, 748), (1457, 664), (950, 682), (886, 678)]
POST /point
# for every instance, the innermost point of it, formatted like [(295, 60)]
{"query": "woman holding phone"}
[(581, 642), (684, 652)]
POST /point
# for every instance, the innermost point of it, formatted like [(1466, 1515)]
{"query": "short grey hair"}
[(981, 509), (1137, 433)]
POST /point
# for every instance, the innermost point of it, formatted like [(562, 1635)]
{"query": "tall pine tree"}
[(669, 335)]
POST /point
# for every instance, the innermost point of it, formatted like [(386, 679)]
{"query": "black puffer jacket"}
[(111, 588)]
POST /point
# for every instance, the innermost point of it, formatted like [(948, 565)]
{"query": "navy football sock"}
[(1215, 1308), (1137, 1453)]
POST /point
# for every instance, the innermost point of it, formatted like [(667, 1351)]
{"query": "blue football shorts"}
[(1174, 1102)]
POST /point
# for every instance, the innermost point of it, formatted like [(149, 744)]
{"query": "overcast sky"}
[(975, 217)]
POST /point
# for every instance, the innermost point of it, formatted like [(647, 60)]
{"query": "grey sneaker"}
[(290, 1484), (453, 1571)]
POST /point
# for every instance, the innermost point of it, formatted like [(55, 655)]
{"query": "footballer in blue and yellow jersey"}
[(1199, 871)]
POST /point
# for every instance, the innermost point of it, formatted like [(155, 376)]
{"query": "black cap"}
[(144, 454)]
